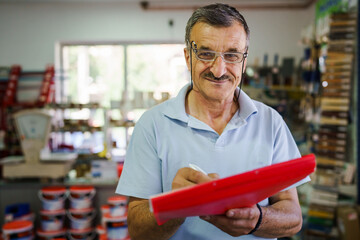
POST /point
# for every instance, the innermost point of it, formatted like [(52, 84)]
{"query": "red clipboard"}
[(241, 190)]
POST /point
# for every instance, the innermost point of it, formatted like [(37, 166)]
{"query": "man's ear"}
[(187, 57)]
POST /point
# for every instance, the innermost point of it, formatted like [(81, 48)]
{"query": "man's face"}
[(216, 80)]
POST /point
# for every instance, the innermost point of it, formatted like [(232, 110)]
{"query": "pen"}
[(197, 168)]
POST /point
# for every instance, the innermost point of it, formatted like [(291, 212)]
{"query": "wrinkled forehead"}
[(219, 38)]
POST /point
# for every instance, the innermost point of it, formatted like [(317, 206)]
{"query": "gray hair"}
[(218, 14)]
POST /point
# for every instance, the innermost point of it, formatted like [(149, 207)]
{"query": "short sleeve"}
[(285, 148), (141, 175)]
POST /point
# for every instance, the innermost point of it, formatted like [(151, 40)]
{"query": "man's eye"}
[(232, 56), (207, 55)]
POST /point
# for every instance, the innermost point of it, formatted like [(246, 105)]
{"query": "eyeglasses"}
[(210, 56)]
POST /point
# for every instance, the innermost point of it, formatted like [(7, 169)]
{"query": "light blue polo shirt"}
[(166, 139)]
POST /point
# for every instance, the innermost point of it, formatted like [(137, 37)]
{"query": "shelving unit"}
[(73, 118), (16, 91), (122, 116), (333, 183)]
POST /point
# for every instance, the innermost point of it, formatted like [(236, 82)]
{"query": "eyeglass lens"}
[(208, 55)]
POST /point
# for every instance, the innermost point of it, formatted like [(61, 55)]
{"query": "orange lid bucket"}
[(18, 229)]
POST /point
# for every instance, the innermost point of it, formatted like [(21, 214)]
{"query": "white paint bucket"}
[(53, 197), (104, 210), (52, 220), (51, 235), (118, 205), (81, 196), (18, 230), (101, 232), (81, 234), (81, 218), (116, 227)]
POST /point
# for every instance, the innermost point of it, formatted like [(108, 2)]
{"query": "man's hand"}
[(188, 177), (282, 218), (235, 222)]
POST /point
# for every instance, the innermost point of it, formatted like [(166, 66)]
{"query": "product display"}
[(114, 219)]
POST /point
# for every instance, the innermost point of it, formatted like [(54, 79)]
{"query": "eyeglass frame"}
[(217, 54)]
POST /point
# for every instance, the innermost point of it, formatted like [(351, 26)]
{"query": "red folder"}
[(241, 190)]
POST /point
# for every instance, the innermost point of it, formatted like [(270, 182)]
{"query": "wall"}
[(29, 31)]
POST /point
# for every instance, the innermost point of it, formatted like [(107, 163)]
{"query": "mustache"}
[(212, 77)]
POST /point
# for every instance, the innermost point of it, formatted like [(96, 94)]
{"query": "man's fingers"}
[(244, 213), (187, 177), (198, 177), (214, 176)]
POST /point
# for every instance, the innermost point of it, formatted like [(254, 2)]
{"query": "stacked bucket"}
[(18, 230), (52, 214), (81, 213), (18, 222), (113, 219)]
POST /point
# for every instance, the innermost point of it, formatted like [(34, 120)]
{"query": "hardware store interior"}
[(76, 76)]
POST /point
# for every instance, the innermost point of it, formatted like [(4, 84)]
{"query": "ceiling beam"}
[(176, 6)]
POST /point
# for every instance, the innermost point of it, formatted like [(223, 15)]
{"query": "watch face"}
[(33, 126)]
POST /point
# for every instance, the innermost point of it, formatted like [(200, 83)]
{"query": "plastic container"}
[(104, 210), (117, 205), (82, 234), (18, 211), (52, 220), (28, 217), (101, 232), (116, 227), (81, 196), (81, 218), (53, 198), (18, 230), (51, 235)]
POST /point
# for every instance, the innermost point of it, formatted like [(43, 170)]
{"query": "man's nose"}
[(218, 67)]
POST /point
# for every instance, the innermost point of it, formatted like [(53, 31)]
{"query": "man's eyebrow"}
[(233, 50), (204, 48), (229, 50)]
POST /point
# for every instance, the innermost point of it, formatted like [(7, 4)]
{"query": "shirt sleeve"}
[(141, 175), (285, 148)]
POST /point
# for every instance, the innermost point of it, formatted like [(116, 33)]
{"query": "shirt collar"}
[(175, 108)]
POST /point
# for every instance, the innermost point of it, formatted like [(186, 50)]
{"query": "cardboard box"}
[(348, 223)]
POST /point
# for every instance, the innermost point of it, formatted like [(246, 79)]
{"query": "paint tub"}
[(81, 234), (101, 232), (81, 218), (53, 198), (118, 205), (104, 210), (28, 217), (103, 237), (81, 196), (116, 227), (18, 230), (51, 235), (52, 220)]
